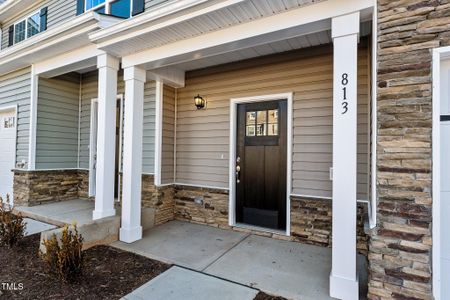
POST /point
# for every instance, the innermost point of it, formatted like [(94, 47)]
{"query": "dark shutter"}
[(11, 35), (138, 7), (80, 7), (44, 19)]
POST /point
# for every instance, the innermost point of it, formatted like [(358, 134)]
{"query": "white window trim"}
[(107, 6), (233, 132), (439, 54), (26, 26)]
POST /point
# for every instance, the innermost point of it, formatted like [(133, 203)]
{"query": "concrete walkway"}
[(288, 269), (178, 283), (185, 244)]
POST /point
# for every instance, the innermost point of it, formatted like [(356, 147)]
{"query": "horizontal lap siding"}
[(203, 136), (153, 3), (15, 89), (57, 122), (58, 11), (89, 91), (168, 134)]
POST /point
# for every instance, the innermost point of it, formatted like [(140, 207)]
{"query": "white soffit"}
[(156, 35), (295, 43)]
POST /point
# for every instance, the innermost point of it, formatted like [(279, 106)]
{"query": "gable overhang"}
[(157, 18), (11, 8), (58, 40)]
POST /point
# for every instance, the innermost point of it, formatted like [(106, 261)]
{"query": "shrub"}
[(12, 227), (64, 258)]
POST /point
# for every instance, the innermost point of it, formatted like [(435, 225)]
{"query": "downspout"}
[(79, 119), (175, 137)]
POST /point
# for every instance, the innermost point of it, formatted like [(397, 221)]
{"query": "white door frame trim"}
[(16, 109), (94, 119), (91, 190), (438, 55), (34, 89), (233, 132)]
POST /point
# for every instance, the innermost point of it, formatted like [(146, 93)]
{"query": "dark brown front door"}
[(261, 164)]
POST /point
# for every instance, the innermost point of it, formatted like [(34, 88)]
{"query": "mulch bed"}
[(109, 273)]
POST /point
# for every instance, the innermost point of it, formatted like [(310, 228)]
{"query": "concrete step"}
[(98, 232)]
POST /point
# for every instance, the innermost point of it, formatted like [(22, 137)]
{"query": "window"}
[(9, 122), (93, 3), (33, 25), (118, 8), (19, 31), (262, 123), (28, 27), (121, 8)]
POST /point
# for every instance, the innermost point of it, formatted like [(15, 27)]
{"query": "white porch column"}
[(106, 136), (343, 277), (131, 229)]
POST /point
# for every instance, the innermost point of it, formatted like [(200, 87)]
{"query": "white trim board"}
[(92, 139), (233, 132), (439, 54), (33, 119), (159, 95)]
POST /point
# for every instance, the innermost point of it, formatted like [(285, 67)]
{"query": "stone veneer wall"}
[(83, 185), (159, 198), (212, 211), (37, 187), (311, 222), (400, 247)]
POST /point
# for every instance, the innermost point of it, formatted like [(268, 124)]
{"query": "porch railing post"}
[(131, 229), (106, 136), (343, 277)]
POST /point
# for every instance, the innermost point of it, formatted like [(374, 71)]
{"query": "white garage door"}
[(7, 151)]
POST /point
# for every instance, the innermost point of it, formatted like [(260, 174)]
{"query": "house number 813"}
[(344, 89)]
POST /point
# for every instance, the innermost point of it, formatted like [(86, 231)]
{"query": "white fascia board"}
[(68, 59), (316, 13), (143, 23), (10, 8), (47, 41), (38, 41)]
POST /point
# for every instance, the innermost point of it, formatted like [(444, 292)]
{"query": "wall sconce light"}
[(199, 102)]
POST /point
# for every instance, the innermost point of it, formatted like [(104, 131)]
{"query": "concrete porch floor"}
[(288, 269), (60, 213)]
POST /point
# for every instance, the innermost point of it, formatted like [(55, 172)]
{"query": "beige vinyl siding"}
[(203, 136), (58, 11), (57, 122), (89, 91), (168, 134), (15, 90)]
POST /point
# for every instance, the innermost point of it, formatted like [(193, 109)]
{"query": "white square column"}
[(106, 136), (343, 277), (131, 229)]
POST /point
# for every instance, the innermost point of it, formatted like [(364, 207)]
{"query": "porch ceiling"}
[(295, 43)]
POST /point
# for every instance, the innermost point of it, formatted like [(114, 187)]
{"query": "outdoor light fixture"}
[(199, 102)]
